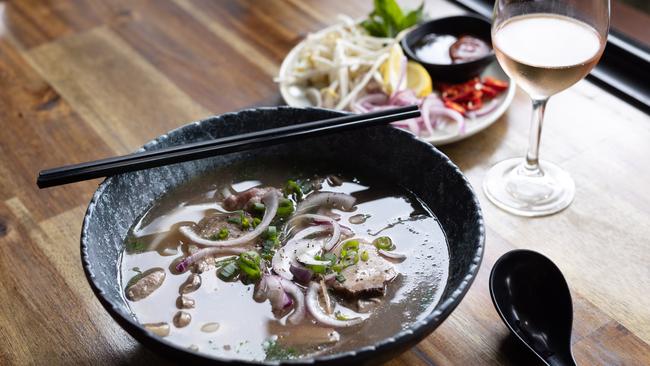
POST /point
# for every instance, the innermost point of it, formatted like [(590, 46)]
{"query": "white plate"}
[(294, 96)]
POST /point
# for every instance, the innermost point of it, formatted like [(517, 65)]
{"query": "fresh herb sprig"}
[(388, 19)]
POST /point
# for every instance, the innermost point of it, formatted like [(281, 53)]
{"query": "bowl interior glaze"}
[(397, 155)]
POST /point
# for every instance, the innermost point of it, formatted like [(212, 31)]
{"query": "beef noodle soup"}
[(255, 266)]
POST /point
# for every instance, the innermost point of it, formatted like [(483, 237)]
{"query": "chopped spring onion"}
[(249, 264), (245, 223), (384, 243), (365, 256), (221, 235), (329, 257), (350, 245), (321, 269), (285, 207), (348, 258), (293, 188), (258, 208), (229, 271), (340, 316), (271, 233), (317, 268), (250, 258), (256, 221)]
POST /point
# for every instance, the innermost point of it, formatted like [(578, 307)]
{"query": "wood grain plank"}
[(124, 98), (268, 32), (38, 302), (198, 61), (30, 23), (57, 239), (39, 130), (609, 217), (612, 345)]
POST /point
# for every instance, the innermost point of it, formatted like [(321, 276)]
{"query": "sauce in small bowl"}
[(452, 49)]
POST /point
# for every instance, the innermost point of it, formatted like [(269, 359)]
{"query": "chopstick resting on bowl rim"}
[(223, 145)]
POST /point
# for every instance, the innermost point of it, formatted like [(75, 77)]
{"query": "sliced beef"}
[(366, 278), (243, 199), (210, 226)]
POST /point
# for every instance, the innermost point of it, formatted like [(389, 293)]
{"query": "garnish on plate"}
[(360, 66), (387, 19)]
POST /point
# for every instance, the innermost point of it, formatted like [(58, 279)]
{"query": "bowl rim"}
[(404, 42), (415, 333)]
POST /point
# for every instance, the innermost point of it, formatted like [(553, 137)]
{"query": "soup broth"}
[(221, 316)]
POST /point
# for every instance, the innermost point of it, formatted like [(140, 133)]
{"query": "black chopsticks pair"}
[(223, 145)]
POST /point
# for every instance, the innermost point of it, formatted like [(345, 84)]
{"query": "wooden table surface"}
[(85, 79)]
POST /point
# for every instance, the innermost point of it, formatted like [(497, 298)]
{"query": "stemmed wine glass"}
[(545, 46)]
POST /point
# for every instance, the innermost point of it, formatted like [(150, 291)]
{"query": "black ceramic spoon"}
[(533, 299)]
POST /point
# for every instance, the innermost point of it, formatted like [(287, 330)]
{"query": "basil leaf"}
[(412, 18)]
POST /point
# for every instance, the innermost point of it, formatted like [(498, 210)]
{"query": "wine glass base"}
[(515, 189)]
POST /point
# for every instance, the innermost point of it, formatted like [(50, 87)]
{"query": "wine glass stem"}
[(532, 156)]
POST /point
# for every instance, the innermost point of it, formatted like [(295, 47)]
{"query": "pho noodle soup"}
[(258, 266)]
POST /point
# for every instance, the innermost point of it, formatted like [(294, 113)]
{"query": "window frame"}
[(623, 70)]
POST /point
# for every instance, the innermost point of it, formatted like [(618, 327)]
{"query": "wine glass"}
[(545, 46)]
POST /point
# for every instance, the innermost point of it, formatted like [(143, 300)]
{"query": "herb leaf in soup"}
[(275, 352), (135, 246)]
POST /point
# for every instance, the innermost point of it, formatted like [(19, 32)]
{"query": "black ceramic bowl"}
[(456, 26), (398, 155)]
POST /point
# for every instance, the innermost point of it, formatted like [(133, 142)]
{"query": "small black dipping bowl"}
[(397, 155), (456, 26)]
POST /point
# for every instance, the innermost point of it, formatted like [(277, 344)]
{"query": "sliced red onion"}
[(301, 274), (271, 288), (312, 230), (358, 108), (331, 199), (368, 102), (426, 116), (321, 219), (298, 298), (437, 112), (403, 98), (317, 312), (185, 264), (270, 200), (284, 257), (392, 255), (487, 108), (346, 231), (308, 253)]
